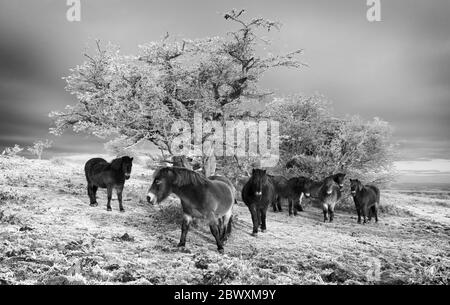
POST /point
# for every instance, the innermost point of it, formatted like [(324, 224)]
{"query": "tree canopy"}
[(139, 97)]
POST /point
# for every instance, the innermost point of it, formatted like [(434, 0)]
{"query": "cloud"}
[(397, 69)]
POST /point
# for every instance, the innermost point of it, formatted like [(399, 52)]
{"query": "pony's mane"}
[(117, 163), (184, 176)]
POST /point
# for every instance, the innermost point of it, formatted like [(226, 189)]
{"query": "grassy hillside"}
[(49, 234)]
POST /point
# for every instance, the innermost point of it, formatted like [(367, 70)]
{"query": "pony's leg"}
[(220, 226), (94, 193), (119, 191), (91, 194), (331, 212), (325, 211), (226, 221), (370, 213), (375, 212), (214, 227), (109, 190), (358, 210), (290, 206), (187, 219), (279, 204), (365, 211), (274, 206), (294, 206), (258, 214), (263, 220), (254, 213)]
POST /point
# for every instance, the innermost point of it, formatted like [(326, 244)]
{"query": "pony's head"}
[(259, 178), (166, 178), (339, 179), (308, 185), (328, 185), (161, 187), (123, 164), (355, 186)]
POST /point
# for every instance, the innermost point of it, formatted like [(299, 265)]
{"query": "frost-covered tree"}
[(38, 147), (139, 97)]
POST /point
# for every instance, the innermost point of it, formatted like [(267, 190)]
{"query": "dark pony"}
[(291, 189), (257, 194), (296, 190), (366, 198), (328, 192), (100, 173), (211, 198)]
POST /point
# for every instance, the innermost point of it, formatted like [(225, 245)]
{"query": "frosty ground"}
[(50, 235)]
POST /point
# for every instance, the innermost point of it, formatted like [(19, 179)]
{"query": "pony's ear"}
[(131, 158), (343, 175), (264, 171), (351, 180), (253, 171)]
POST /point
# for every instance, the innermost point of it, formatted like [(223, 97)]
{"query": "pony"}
[(366, 198), (291, 189), (314, 186), (257, 194), (100, 173), (328, 191), (211, 198), (296, 190)]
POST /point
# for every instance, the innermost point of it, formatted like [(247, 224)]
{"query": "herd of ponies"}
[(213, 197)]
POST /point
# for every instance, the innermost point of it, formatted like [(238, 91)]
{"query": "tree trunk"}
[(209, 165), (209, 160)]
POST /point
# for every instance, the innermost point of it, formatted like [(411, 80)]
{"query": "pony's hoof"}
[(181, 245), (254, 234), (220, 251), (263, 230), (94, 204), (109, 209), (122, 210)]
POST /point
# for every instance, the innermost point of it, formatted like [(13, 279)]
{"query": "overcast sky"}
[(397, 69)]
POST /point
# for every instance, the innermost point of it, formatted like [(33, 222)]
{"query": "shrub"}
[(12, 151), (316, 144)]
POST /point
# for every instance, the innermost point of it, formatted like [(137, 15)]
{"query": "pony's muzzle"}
[(258, 193), (341, 185), (329, 192), (353, 192), (127, 175), (307, 194), (151, 198)]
